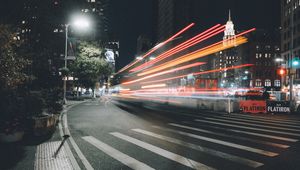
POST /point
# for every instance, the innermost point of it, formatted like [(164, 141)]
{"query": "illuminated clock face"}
[(110, 56)]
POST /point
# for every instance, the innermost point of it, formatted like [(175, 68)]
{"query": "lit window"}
[(277, 83), (258, 83), (94, 9), (266, 55), (23, 22), (267, 83), (256, 55), (55, 30), (93, 0)]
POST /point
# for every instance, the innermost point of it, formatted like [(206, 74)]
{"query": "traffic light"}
[(281, 71), (296, 62)]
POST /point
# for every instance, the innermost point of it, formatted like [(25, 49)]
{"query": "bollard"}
[(61, 144), (229, 106)]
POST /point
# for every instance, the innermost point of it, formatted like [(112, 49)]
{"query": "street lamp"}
[(80, 23)]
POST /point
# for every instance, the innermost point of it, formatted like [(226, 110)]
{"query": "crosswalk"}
[(243, 141)]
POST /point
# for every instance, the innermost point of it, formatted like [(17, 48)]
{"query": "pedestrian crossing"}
[(243, 141)]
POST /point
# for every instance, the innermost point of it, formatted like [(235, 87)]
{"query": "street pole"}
[(66, 54), (291, 61)]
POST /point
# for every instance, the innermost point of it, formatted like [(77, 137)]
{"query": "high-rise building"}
[(172, 16), (227, 58), (290, 32)]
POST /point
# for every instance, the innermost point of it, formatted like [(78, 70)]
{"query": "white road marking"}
[(229, 144), (167, 154), (231, 136), (252, 124), (253, 133), (268, 118), (259, 121), (114, 153), (250, 128), (213, 152), (83, 159)]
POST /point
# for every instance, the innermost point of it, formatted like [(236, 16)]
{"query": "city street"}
[(112, 135)]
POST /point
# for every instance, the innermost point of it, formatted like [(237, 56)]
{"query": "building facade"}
[(290, 33)]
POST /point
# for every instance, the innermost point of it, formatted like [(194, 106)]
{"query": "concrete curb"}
[(65, 131)]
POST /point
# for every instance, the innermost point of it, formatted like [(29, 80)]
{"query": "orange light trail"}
[(194, 55), (219, 46), (198, 73), (158, 46), (154, 86), (165, 72), (195, 40)]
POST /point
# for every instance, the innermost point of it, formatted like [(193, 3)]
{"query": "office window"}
[(258, 83), (277, 83), (267, 83)]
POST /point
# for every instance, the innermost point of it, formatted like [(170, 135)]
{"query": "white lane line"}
[(81, 156), (230, 136), (252, 133), (212, 152), (229, 144), (67, 148), (167, 154), (259, 121), (114, 153), (250, 128), (252, 124), (268, 118)]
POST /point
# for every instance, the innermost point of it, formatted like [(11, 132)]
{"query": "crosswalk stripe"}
[(259, 121), (231, 136), (229, 144), (267, 118), (123, 158), (250, 128), (253, 134), (252, 124), (262, 119), (167, 154), (212, 152)]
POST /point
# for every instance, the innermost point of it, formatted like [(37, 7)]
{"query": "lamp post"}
[(78, 23)]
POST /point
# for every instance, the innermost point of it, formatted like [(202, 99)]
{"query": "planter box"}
[(44, 124), (14, 137)]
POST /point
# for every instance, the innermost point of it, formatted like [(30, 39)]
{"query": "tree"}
[(12, 63), (89, 65)]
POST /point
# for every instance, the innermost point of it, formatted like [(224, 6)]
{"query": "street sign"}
[(71, 58), (278, 107)]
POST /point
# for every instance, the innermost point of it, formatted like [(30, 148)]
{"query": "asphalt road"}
[(125, 136)]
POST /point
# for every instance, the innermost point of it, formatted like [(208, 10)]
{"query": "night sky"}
[(130, 18)]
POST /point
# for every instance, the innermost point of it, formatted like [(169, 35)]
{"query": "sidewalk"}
[(36, 152)]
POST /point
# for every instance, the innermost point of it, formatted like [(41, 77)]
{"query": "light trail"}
[(158, 46), (196, 39), (219, 46), (194, 55), (198, 73), (153, 86), (165, 72)]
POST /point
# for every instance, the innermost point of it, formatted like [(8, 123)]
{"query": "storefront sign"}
[(253, 106), (278, 107)]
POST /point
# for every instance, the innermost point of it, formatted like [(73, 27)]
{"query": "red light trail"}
[(195, 40), (158, 46)]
